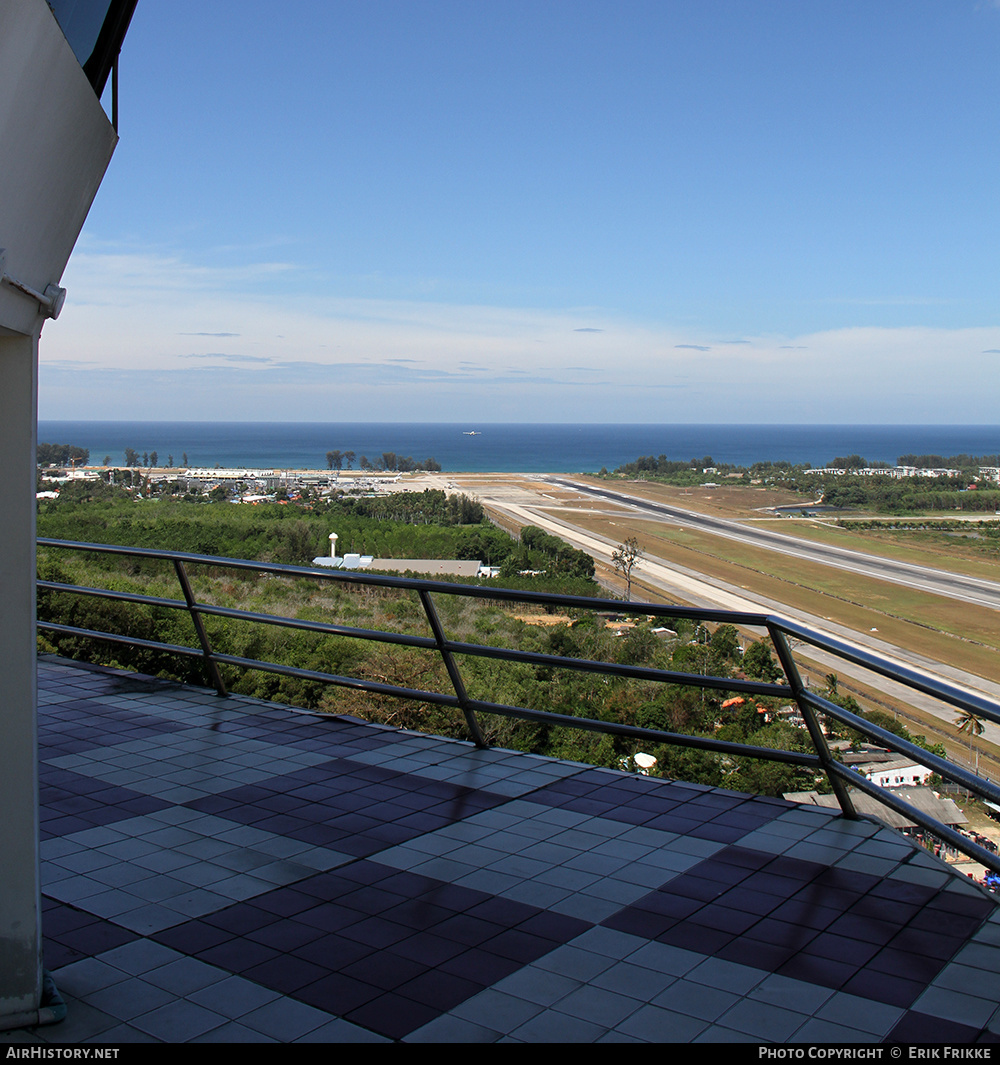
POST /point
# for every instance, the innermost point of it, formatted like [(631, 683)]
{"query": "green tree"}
[(759, 663)]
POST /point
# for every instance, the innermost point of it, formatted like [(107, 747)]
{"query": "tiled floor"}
[(228, 870)]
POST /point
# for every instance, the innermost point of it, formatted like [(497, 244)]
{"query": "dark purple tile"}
[(333, 952), (429, 949), (480, 966), (666, 904), (285, 936), (818, 970), (518, 946), (284, 902), (893, 990), (864, 929), (915, 1027), (329, 917), (693, 886), (639, 922), (882, 909), (752, 952), (440, 990), (339, 994), (782, 933), (794, 868), (239, 919), (917, 940), (725, 919), (903, 891), (237, 955), (840, 948), (393, 1015), (463, 928), (193, 937), (557, 927), (795, 911), (377, 931), (285, 974), (371, 899), (695, 937), (501, 911), (718, 833), (97, 937), (906, 964), (384, 969)]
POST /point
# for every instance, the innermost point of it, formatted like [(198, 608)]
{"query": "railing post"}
[(453, 671), (214, 676), (794, 679)]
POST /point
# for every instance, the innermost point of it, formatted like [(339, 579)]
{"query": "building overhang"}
[(57, 143)]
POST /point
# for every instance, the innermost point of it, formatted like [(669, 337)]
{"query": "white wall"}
[(55, 144)]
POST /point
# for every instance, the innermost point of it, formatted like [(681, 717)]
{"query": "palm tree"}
[(969, 723)]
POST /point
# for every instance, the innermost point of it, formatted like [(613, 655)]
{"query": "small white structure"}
[(897, 773)]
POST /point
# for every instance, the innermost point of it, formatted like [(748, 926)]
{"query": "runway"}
[(697, 589), (938, 582)]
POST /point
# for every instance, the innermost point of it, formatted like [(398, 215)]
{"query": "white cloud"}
[(123, 347)]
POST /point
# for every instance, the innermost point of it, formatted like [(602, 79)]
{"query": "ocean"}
[(513, 448)]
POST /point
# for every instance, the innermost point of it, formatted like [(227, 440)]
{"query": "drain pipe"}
[(51, 1011)]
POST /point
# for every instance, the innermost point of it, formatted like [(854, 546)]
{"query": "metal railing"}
[(780, 630)]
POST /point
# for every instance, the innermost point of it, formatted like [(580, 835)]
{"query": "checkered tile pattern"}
[(226, 870)]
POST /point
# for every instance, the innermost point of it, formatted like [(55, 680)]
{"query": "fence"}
[(783, 633)]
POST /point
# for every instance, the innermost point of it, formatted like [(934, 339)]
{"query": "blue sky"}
[(758, 211)]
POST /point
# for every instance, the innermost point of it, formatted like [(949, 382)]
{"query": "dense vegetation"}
[(388, 526), (388, 460), (62, 455)]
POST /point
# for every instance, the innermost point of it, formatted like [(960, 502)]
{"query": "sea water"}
[(515, 448)]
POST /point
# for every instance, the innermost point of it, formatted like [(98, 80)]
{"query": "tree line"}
[(388, 460), (62, 455)]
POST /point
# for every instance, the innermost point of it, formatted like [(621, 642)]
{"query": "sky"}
[(558, 210)]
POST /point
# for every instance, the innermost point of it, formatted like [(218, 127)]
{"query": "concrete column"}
[(20, 902)]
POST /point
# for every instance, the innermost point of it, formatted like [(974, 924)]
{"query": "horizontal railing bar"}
[(935, 827), (375, 635), (108, 593), (940, 689), (704, 743), (946, 768), (413, 694), (131, 641), (247, 615), (377, 580), (615, 669), (800, 758)]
